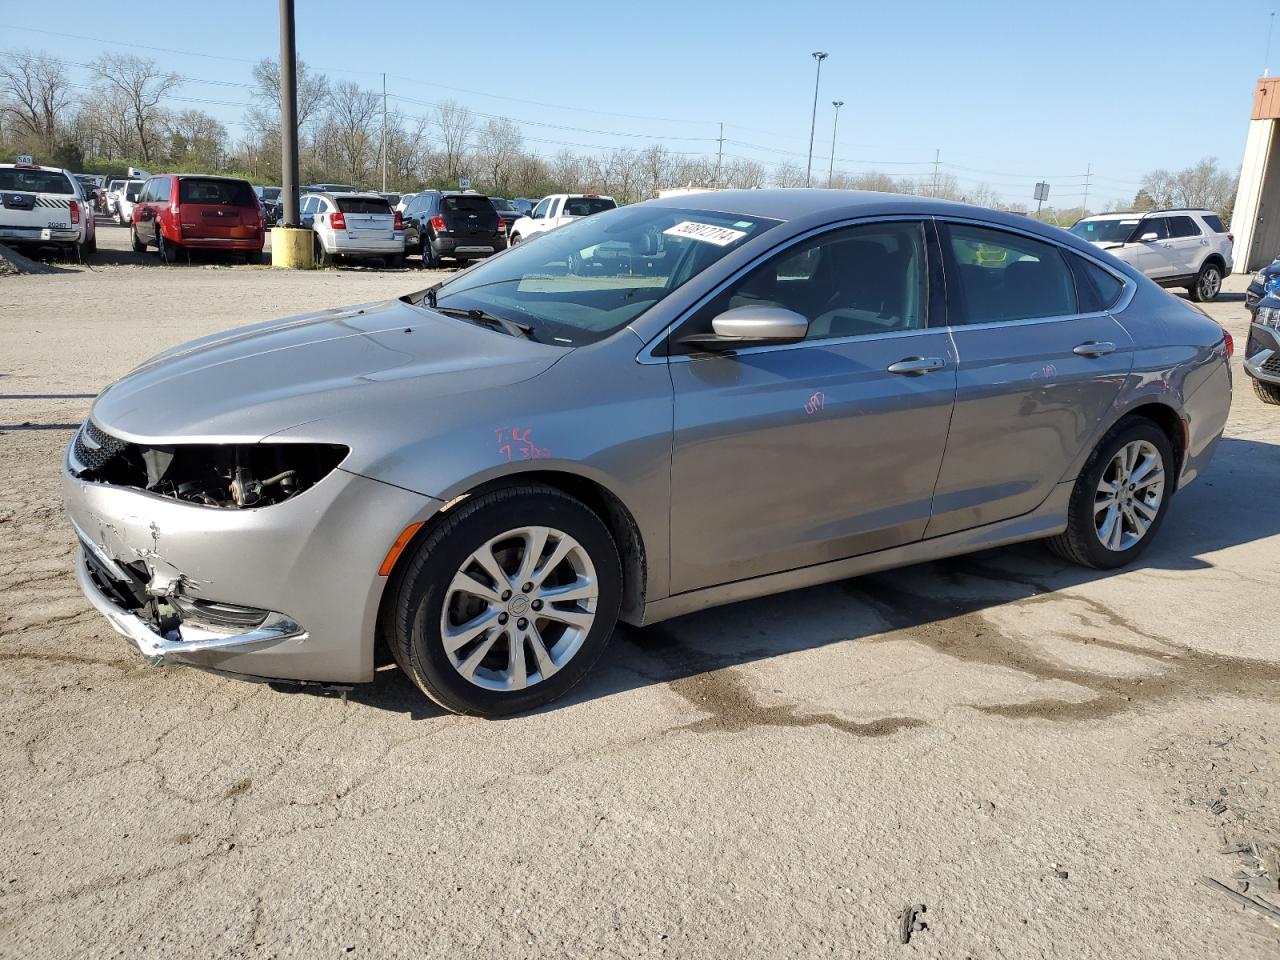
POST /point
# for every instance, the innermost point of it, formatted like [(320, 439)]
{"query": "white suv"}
[(557, 210), (45, 206), (1175, 248)]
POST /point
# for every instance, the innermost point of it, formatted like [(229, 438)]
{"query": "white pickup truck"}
[(557, 210), (44, 207)]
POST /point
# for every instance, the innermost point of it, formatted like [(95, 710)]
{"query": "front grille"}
[(1272, 365), (94, 447)]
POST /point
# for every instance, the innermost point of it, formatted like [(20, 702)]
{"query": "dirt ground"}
[(1047, 758)]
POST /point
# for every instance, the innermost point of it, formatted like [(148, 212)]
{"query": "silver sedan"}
[(661, 408)]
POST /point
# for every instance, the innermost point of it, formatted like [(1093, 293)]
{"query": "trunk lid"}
[(469, 215), (367, 217)]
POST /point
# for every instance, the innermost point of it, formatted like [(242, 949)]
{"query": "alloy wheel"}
[(1210, 283), (1129, 495), (519, 608)]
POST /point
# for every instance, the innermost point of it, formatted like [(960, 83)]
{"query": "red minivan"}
[(191, 211)]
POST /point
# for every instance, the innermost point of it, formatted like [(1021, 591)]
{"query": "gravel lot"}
[(1047, 758)]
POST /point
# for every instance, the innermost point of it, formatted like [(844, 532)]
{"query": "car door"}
[(1187, 245), (792, 455), (539, 215), (144, 210), (1039, 363), (1154, 257)]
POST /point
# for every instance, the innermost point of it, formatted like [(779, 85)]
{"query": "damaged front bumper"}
[(288, 591)]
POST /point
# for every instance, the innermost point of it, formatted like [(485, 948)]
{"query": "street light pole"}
[(819, 56), (288, 115), (834, 125)]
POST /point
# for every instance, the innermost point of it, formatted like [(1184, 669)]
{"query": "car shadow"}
[(940, 604)]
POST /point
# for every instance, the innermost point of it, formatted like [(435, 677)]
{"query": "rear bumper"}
[(344, 246), (20, 234), (251, 244), (468, 247)]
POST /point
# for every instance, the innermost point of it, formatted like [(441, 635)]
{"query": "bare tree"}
[(788, 174), (350, 135), (195, 139), (455, 125), (34, 93), (744, 175), (313, 93), (138, 86), (498, 147), (1203, 184)]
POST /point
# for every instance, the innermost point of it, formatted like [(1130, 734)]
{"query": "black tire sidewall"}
[(1083, 498), (423, 592)]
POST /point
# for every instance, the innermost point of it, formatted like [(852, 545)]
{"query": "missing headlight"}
[(215, 475)]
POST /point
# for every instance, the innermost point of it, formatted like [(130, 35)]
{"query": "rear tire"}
[(322, 257), (429, 261), (1208, 283), (167, 249), (1267, 392), (1082, 542), (422, 598)]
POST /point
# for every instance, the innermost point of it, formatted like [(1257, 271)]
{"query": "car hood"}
[(245, 384)]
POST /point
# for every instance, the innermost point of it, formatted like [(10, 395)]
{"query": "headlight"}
[(1271, 283), (1268, 317), (1260, 277)]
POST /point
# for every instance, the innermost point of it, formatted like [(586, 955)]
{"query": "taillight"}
[(75, 211), (502, 225), (437, 224), (338, 220), (1229, 343), (399, 220)]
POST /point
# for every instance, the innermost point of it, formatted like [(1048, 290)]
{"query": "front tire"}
[(1267, 392), (506, 603), (1208, 283), (1120, 498), (515, 238)]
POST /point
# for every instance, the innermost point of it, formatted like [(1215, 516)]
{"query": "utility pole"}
[(1088, 175), (819, 56), (288, 115), (384, 133), (937, 159), (720, 155), (831, 168)]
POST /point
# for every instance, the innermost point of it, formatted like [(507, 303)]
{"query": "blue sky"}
[(1008, 93)]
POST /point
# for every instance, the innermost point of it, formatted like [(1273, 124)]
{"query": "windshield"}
[(35, 181), (584, 281), (1105, 231), (271, 194), (233, 193)]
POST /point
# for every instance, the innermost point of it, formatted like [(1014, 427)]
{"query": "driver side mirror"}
[(751, 327), (1149, 237)]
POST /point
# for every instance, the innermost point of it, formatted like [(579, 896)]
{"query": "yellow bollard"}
[(291, 248)]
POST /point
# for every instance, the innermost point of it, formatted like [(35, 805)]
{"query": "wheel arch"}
[(1170, 422), (601, 500)]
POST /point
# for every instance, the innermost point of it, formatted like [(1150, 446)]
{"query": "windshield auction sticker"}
[(707, 233)]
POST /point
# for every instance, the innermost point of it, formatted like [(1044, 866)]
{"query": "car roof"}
[(36, 166), (343, 194)]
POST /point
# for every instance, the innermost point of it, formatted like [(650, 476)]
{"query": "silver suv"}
[(1175, 248)]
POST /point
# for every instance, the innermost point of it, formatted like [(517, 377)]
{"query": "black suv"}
[(1262, 349), (461, 226)]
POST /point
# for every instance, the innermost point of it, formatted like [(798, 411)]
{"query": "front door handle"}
[(1094, 348), (914, 366)]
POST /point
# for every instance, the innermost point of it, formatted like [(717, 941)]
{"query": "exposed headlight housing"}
[(1267, 317), (212, 474)]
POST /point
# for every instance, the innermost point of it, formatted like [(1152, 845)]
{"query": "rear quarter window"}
[(234, 193), (363, 205), (36, 181), (1097, 289), (1214, 223)]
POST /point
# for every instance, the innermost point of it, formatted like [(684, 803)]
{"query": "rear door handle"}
[(1094, 348), (914, 366)]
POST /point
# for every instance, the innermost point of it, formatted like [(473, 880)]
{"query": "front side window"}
[(851, 282), (1183, 227), (582, 282), (541, 210), (1157, 225), (994, 277)]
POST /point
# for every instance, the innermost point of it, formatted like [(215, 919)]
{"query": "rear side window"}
[(1183, 227), (35, 181), (994, 277), (585, 206), (1098, 290), (363, 205), (1214, 222), (232, 193)]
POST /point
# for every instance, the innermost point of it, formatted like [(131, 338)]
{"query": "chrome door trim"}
[(646, 355)]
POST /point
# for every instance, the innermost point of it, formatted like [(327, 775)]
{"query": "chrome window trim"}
[(646, 355)]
